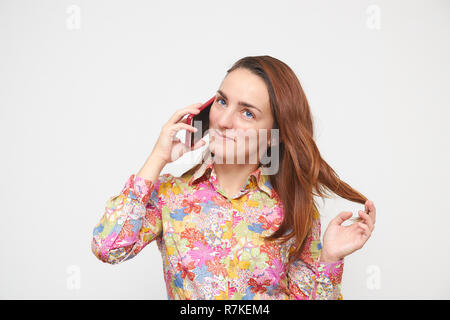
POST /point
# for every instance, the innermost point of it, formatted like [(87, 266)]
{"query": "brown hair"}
[(299, 156)]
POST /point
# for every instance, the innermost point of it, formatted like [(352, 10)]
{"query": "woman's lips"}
[(223, 137)]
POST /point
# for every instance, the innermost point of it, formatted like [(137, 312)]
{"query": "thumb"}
[(200, 143), (341, 217)]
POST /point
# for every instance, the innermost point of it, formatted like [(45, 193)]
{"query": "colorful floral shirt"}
[(211, 244)]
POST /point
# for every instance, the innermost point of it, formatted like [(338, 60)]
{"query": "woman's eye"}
[(248, 114), (220, 99)]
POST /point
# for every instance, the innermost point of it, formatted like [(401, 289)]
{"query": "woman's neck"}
[(231, 177)]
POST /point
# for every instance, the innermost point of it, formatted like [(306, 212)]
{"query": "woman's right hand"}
[(168, 147)]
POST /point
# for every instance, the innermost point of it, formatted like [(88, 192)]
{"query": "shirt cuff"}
[(138, 188), (329, 272)]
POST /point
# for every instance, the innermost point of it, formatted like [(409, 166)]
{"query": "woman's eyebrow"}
[(241, 103)]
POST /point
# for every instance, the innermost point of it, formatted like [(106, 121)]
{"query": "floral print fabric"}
[(211, 243)]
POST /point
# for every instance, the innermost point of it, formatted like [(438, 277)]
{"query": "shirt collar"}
[(256, 177)]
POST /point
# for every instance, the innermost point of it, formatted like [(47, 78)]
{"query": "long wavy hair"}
[(302, 173)]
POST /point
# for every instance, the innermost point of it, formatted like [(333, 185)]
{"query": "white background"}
[(85, 87)]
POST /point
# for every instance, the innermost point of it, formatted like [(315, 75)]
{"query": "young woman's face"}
[(239, 112)]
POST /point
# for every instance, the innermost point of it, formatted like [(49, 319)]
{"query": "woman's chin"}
[(221, 151), (221, 157)]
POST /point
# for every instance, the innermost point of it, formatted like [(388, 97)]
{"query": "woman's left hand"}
[(340, 241)]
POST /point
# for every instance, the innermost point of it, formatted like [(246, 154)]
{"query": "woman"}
[(225, 229)]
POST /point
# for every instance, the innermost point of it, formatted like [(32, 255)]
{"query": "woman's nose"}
[(226, 119)]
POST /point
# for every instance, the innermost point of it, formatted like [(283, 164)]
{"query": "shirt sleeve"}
[(132, 219), (309, 278)]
